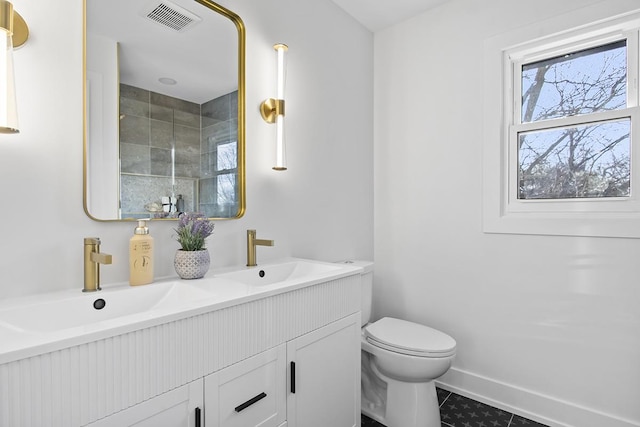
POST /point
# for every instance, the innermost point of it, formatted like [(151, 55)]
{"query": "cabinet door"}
[(250, 393), (180, 407), (324, 376)]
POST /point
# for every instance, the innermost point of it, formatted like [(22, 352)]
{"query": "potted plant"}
[(192, 260)]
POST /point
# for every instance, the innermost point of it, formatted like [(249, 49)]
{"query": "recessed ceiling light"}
[(167, 80)]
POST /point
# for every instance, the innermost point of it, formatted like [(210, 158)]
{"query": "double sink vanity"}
[(273, 345)]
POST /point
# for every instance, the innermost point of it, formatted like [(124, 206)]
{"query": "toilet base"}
[(407, 404)]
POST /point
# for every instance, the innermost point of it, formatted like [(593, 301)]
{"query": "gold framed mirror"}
[(164, 109)]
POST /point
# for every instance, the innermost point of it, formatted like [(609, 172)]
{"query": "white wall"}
[(551, 320), (546, 326), (102, 93), (321, 208)]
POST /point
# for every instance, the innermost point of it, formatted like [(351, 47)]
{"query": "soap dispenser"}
[(141, 256)]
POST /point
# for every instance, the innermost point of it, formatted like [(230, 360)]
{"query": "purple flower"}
[(193, 229)]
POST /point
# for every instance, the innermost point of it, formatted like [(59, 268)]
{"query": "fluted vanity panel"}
[(241, 331), (78, 385)]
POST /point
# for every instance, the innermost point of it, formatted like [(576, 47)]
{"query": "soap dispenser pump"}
[(141, 256)]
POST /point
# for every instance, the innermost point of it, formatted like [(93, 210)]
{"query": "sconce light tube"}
[(273, 110), (281, 158), (8, 104), (281, 49), (13, 32)]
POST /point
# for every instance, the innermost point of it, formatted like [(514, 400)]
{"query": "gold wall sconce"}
[(14, 32), (272, 110)]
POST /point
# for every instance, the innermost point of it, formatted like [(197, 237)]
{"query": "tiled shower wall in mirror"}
[(171, 147)]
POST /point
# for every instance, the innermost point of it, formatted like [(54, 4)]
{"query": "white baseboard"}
[(526, 403)]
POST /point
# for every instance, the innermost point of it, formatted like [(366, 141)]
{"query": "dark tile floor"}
[(460, 411)]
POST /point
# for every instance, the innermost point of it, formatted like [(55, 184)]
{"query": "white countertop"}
[(31, 334)]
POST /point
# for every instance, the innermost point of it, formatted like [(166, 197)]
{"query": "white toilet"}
[(400, 360)]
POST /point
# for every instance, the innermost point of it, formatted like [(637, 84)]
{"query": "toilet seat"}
[(409, 338)]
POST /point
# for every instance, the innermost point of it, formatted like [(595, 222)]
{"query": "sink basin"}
[(283, 272), (83, 309)]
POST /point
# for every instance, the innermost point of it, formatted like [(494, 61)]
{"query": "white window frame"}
[(514, 60), (503, 212)]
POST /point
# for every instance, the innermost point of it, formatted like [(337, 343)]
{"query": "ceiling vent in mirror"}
[(171, 15)]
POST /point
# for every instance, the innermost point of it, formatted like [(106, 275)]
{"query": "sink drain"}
[(99, 304)]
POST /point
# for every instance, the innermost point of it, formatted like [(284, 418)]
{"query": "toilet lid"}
[(410, 338)]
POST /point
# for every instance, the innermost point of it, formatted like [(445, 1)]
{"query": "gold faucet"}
[(252, 242), (92, 260)]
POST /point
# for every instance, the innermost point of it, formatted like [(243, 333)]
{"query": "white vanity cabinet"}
[(250, 393), (232, 362), (181, 407), (313, 380), (324, 376), (310, 381)]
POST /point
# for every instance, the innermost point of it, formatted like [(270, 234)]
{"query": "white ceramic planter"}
[(192, 264)]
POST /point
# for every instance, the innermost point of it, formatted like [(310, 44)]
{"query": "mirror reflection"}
[(164, 115)]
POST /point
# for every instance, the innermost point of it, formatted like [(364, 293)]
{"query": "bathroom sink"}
[(119, 305), (77, 309), (283, 272), (42, 323)]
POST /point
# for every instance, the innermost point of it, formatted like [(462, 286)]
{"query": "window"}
[(561, 151), (226, 171), (574, 161), (567, 149)]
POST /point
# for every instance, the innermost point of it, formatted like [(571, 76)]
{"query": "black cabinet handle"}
[(250, 402), (198, 417), (293, 377)]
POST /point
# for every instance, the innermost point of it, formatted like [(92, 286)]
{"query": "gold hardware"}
[(14, 33), (252, 242), (13, 23), (92, 260), (99, 258), (20, 30), (271, 108)]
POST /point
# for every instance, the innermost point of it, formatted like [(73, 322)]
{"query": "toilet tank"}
[(366, 300)]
